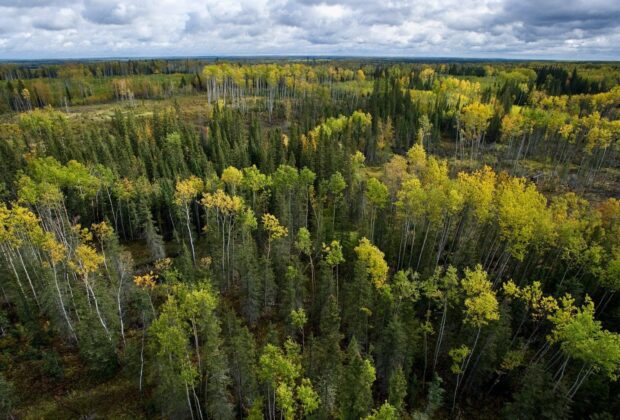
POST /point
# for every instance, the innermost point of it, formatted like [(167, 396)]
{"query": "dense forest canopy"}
[(346, 238)]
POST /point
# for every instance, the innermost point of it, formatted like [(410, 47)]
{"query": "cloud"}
[(30, 3), (110, 12), (469, 28), (56, 20), (560, 19), (196, 22)]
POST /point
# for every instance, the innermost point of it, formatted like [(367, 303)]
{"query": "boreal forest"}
[(309, 238)]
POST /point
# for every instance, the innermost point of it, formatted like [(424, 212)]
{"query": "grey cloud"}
[(556, 18), (56, 20), (322, 39), (195, 23), (50, 25), (109, 12), (550, 12)]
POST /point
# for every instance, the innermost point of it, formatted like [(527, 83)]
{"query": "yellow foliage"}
[(524, 218), (103, 230), (187, 189), (481, 305), (56, 250), (273, 227), (416, 158), (374, 261), (88, 260), (474, 120), (225, 204), (147, 281), (232, 176), (479, 190)]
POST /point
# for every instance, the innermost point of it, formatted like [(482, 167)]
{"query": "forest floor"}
[(92, 400), (55, 386)]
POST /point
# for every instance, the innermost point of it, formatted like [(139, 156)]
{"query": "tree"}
[(515, 125), (285, 182), (306, 184), (481, 307), (185, 193), (254, 181), (188, 350), (425, 131), (373, 261), (274, 230), (57, 255), (397, 390), (536, 397), (232, 178), (410, 208), (362, 290), (386, 412), (479, 192), (523, 216), (473, 122), (333, 257), (241, 351), (378, 196), (326, 357), (336, 186), (228, 210), (304, 245), (448, 294), (435, 396), (355, 389), (581, 337), (299, 319), (87, 262), (152, 236), (286, 388)]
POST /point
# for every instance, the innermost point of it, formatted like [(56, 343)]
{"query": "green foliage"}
[(299, 318), (583, 338), (385, 412), (293, 394), (155, 252), (458, 356), (304, 241), (397, 390), (377, 193), (355, 389), (536, 397), (333, 253), (435, 396), (187, 345)]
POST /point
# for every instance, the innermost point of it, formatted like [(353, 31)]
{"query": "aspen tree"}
[(481, 308), (185, 193)]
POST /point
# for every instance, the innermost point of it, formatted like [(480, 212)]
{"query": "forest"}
[(309, 238)]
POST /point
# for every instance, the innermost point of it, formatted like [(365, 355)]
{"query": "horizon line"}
[(303, 56)]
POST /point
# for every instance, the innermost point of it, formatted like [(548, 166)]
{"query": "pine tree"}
[(355, 388)]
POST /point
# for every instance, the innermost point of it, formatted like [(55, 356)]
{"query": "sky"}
[(541, 29)]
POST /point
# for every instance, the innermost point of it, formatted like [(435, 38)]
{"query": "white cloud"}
[(575, 29)]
